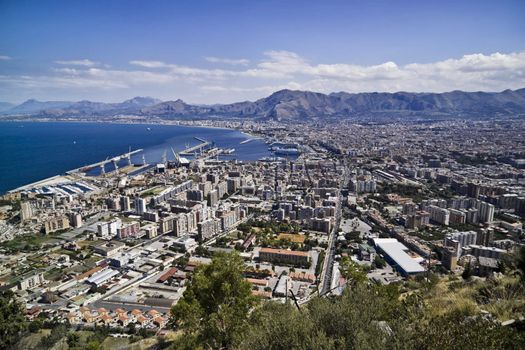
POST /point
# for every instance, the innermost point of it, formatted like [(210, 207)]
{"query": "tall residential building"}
[(450, 258), (26, 213), (108, 229), (125, 203), (140, 205), (485, 212), (208, 228), (75, 219), (486, 237), (128, 229), (457, 216), (460, 240), (439, 215), (56, 224), (213, 198)]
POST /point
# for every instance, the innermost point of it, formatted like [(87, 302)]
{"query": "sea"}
[(32, 151)]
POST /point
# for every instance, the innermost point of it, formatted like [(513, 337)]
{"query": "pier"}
[(108, 160), (198, 148)]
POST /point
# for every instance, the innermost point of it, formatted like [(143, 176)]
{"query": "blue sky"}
[(224, 51)]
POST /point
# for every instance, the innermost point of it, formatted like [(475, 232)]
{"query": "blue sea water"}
[(31, 151)]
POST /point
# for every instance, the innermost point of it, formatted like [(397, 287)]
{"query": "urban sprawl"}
[(398, 198)]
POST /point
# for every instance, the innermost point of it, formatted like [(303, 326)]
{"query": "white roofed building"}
[(396, 255)]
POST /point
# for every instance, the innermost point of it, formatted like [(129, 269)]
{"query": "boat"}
[(86, 169), (246, 141), (228, 150), (286, 151), (271, 159)]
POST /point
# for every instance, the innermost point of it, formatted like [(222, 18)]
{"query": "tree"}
[(372, 316), (215, 305), (467, 272), (72, 340), (12, 320), (379, 263), (353, 272), (282, 326), (520, 262)]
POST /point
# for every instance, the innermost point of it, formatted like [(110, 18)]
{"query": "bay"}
[(32, 151)]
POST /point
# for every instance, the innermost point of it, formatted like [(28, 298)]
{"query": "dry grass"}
[(504, 301)]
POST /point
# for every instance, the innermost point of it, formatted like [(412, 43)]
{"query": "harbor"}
[(70, 148)]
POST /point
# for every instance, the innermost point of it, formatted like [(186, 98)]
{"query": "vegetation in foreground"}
[(218, 312)]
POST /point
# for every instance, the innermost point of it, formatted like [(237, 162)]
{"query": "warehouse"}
[(396, 255), (102, 277)]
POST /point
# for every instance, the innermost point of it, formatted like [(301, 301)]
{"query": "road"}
[(326, 275)]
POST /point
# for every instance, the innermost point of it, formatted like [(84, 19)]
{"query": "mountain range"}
[(288, 104)]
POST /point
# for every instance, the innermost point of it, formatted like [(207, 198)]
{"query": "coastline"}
[(135, 122), (56, 175)]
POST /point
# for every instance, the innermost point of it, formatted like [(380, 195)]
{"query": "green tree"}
[(281, 326), (353, 272), (72, 340), (467, 272), (379, 263), (12, 320), (215, 305)]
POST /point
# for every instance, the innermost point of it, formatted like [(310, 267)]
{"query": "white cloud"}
[(4, 58), (149, 64), (275, 70), (84, 62), (233, 62)]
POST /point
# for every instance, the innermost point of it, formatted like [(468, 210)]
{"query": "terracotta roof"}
[(159, 320), (256, 281), (153, 312), (167, 275), (302, 276), (283, 252), (89, 273), (142, 319)]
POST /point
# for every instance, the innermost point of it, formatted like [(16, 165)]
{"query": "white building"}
[(396, 255), (439, 215)]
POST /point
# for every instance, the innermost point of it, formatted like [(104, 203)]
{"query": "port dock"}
[(190, 151), (101, 164)]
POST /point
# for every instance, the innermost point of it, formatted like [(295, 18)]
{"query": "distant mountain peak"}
[(296, 104), (142, 100)]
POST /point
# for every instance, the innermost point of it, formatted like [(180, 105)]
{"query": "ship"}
[(286, 151), (246, 141), (271, 159), (86, 169)]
